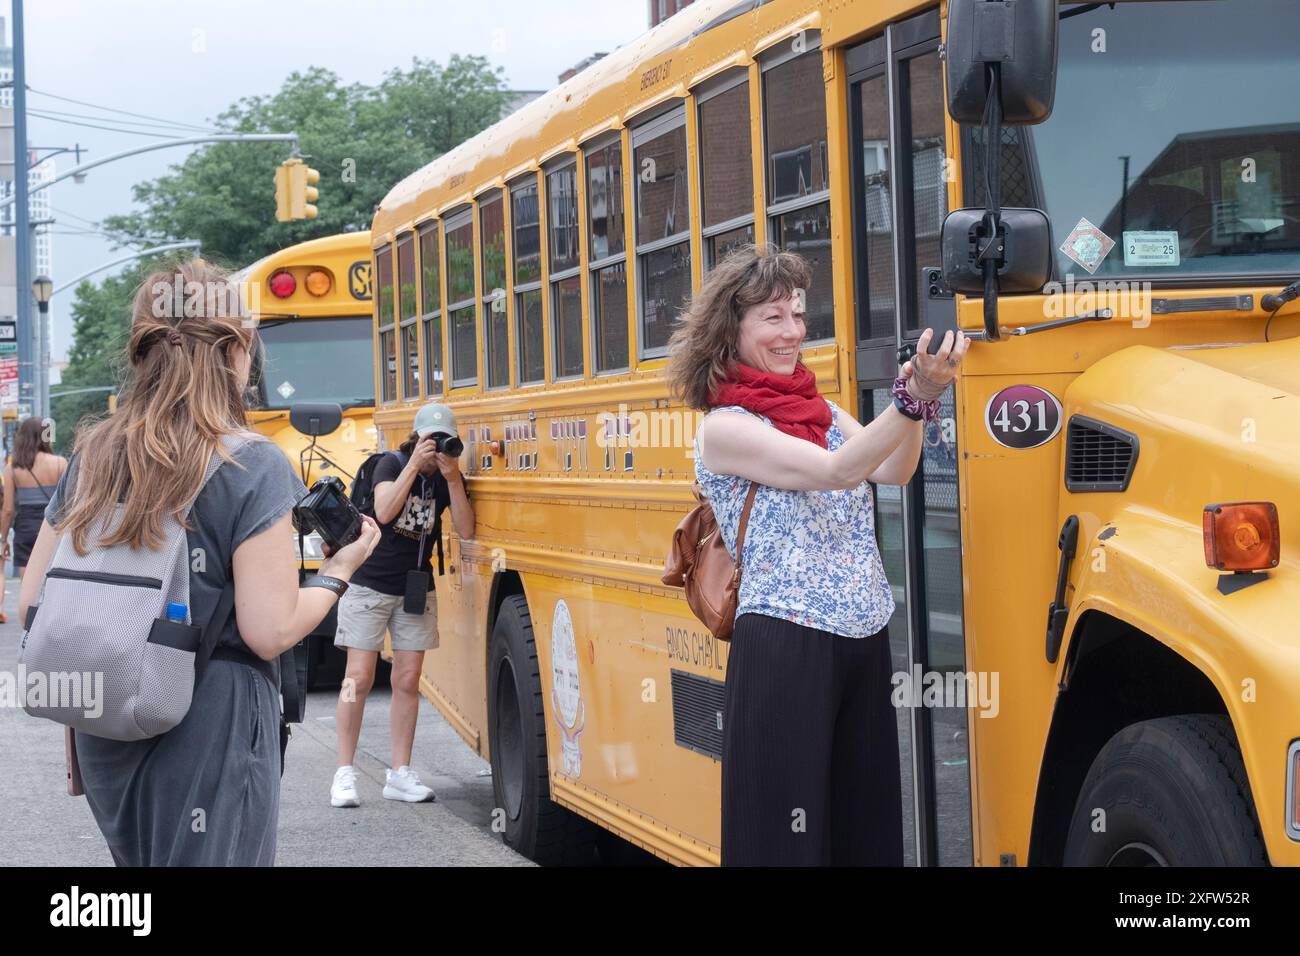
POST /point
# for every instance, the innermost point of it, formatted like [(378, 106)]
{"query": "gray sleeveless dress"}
[(206, 793)]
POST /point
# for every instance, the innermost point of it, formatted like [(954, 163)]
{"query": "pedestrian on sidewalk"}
[(206, 792), (412, 487), (29, 480)]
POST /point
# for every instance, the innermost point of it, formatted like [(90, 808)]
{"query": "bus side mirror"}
[(1023, 244), (1019, 37), (1001, 68), (314, 420)]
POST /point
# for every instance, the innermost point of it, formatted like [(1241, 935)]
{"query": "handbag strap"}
[(744, 523)]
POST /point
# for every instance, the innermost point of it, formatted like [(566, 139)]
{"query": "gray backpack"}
[(111, 641)]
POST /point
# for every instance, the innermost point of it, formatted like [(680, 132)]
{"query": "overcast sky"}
[(140, 56)]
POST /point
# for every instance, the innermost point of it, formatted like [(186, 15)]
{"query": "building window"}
[(565, 281), (525, 226), (408, 316), (607, 255), (431, 308), (726, 169), (384, 320), (458, 236), (663, 231), (496, 323), (798, 194)]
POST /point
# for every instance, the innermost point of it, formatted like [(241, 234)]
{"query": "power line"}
[(109, 109), (111, 129), (73, 215), (167, 126)]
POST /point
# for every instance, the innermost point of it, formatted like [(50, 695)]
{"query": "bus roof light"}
[(1241, 536), (318, 282), (282, 284)]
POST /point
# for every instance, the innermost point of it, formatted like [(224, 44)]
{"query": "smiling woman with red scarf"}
[(810, 770)]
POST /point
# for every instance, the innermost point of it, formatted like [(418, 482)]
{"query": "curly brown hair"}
[(702, 350)]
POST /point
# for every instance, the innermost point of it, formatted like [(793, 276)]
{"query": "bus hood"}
[(1214, 424)]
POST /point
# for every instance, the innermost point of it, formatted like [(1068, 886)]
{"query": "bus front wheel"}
[(531, 823), (1167, 792)]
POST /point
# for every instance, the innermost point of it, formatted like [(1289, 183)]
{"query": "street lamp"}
[(43, 288)]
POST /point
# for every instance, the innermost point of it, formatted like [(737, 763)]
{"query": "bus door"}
[(896, 142)]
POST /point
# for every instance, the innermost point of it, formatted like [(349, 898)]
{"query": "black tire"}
[(1174, 792), (541, 830)]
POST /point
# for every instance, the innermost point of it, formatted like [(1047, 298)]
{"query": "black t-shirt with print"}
[(399, 542)]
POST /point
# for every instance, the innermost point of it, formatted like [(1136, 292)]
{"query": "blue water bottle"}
[(177, 612)]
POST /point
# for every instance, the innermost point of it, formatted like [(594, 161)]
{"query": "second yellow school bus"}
[(530, 278), (312, 302)]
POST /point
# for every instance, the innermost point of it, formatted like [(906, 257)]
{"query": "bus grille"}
[(697, 713), (1098, 457)]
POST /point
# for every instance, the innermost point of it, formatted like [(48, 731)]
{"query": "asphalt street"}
[(40, 825)]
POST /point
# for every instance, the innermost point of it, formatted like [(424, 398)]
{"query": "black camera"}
[(447, 444), (327, 510)]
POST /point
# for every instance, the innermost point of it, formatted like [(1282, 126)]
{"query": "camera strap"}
[(428, 500)]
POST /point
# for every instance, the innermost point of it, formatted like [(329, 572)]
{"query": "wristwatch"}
[(337, 585)]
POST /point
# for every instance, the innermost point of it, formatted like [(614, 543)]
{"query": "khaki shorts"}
[(365, 614)]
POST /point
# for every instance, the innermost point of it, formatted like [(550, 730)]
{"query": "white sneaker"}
[(404, 784), (344, 791)]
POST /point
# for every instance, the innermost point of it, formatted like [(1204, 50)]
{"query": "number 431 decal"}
[(1023, 416)]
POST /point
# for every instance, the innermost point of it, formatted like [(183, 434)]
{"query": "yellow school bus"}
[(1075, 682), (312, 304)]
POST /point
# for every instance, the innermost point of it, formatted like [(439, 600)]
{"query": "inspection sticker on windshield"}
[(285, 390), (1087, 245), (1150, 248)]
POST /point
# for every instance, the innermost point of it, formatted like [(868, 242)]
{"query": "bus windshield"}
[(315, 360), (1173, 149)]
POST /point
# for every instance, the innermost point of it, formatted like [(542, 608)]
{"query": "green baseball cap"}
[(435, 417)]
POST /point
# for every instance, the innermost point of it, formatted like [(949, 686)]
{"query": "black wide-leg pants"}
[(810, 772)]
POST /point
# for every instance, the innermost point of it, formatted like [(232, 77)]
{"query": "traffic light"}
[(295, 190)]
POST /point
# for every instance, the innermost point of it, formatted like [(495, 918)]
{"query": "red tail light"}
[(282, 284)]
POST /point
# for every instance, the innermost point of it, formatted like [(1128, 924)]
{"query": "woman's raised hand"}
[(928, 375)]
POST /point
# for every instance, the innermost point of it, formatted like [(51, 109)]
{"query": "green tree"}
[(362, 139)]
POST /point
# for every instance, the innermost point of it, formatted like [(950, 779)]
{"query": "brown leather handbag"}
[(700, 564)]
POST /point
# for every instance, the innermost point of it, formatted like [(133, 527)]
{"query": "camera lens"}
[(450, 445)]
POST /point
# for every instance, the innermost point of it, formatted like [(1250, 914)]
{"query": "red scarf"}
[(790, 401)]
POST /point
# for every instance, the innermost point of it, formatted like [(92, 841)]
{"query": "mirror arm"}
[(1099, 316), (992, 248)]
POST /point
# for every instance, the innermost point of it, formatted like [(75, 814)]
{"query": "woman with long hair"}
[(810, 771), (206, 792), (29, 480)]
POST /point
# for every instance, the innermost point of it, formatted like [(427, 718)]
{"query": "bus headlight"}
[(311, 547)]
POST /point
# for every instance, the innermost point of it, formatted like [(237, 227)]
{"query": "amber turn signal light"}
[(1242, 536), (318, 282)]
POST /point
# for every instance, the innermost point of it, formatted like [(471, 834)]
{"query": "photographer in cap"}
[(393, 591)]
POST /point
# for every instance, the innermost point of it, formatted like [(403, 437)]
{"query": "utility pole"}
[(22, 237)]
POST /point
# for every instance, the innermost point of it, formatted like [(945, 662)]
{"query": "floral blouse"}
[(810, 556)]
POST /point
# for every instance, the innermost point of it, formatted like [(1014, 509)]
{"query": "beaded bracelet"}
[(913, 408)]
